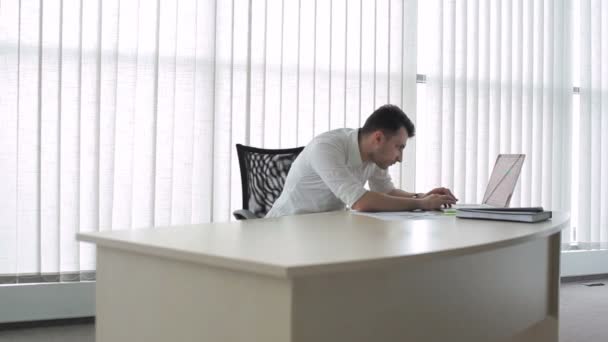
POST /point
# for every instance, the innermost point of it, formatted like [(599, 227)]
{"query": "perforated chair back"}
[(263, 174)]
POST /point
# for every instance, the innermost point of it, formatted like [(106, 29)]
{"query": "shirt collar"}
[(354, 154)]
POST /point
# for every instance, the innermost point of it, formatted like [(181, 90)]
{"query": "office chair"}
[(263, 173)]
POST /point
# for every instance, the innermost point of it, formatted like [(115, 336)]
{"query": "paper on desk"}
[(403, 215)]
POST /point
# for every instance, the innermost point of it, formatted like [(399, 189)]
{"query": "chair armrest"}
[(244, 214)]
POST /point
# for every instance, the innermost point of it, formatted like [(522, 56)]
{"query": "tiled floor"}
[(584, 312)]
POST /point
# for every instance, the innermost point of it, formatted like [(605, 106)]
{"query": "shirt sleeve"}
[(380, 181), (329, 162)]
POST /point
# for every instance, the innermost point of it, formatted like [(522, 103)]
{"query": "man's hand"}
[(441, 191), (434, 201)]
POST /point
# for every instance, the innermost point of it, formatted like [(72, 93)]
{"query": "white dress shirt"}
[(329, 175)]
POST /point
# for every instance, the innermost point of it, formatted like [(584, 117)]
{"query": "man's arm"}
[(438, 191), (377, 201), (401, 193), (329, 163), (381, 182)]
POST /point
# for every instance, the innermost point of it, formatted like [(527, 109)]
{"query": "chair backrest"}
[(263, 174)]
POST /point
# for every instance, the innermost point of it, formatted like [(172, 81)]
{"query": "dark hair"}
[(389, 119)]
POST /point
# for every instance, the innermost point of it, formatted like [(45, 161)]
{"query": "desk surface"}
[(319, 243)]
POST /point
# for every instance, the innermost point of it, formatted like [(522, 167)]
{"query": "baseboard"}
[(46, 323), (584, 263), (46, 301), (584, 278)]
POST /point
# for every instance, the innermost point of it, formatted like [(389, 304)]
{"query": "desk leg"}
[(548, 329)]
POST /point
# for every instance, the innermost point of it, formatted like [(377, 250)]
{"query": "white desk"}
[(330, 277)]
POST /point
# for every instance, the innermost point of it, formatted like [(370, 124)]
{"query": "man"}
[(333, 168)]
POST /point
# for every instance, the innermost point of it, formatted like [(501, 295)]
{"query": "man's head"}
[(385, 134)]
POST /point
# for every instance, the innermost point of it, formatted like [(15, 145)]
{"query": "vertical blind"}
[(124, 113), (591, 181), (498, 81)]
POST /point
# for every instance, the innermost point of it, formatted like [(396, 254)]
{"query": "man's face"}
[(389, 148)]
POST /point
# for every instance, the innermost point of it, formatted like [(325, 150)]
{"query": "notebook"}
[(527, 214)]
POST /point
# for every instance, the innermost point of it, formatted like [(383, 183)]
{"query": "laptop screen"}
[(503, 180)]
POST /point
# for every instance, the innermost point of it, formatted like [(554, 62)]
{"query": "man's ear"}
[(378, 136)]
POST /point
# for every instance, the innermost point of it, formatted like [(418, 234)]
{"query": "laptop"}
[(501, 184)]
